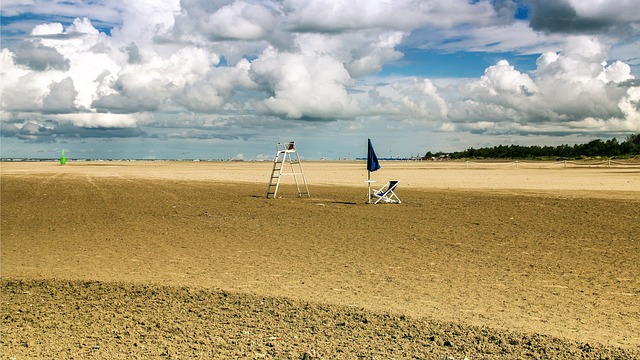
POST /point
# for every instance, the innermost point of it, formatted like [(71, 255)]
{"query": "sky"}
[(220, 79)]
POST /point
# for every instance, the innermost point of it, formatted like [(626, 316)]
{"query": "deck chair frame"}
[(388, 195)]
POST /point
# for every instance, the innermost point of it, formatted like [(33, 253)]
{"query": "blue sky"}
[(229, 79), (460, 64)]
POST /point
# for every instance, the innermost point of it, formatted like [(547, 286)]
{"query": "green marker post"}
[(63, 159)]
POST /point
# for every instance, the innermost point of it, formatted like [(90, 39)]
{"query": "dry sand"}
[(167, 259)]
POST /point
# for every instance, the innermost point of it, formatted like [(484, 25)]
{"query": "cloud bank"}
[(245, 64)]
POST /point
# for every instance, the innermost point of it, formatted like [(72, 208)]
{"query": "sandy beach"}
[(190, 259)]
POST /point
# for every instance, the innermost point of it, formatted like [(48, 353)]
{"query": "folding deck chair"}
[(387, 195)]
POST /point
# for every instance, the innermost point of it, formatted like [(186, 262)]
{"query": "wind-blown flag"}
[(372, 160)]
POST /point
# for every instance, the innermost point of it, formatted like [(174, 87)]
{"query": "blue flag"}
[(372, 159)]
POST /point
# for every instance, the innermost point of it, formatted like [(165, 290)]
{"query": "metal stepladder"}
[(287, 153)]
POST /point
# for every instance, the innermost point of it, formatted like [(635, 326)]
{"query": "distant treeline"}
[(596, 148)]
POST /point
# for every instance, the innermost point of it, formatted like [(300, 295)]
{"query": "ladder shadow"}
[(315, 200), (344, 202)]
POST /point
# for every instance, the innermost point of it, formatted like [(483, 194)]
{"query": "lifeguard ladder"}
[(287, 153)]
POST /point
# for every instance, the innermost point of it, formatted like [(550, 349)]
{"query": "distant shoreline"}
[(629, 161)]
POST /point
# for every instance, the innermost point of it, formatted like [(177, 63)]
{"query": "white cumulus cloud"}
[(303, 86), (569, 89)]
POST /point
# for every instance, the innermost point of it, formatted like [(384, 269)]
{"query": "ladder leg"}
[(304, 181), (272, 189), (295, 175)]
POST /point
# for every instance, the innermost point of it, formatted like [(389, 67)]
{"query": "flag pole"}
[(369, 187)]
